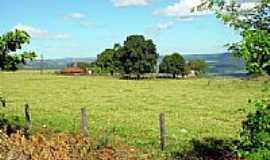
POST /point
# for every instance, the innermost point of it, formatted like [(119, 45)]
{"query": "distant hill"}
[(55, 63), (219, 64)]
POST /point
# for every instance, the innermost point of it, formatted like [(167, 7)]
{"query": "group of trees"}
[(9, 44), (139, 56), (175, 64)]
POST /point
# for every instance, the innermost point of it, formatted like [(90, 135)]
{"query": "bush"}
[(8, 124), (255, 137)]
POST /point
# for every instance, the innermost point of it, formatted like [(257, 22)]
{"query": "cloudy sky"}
[(83, 28)]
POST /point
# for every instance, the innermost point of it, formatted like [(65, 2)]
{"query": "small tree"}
[(11, 42), (174, 64), (199, 66)]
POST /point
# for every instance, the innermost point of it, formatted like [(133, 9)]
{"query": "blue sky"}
[(84, 28)]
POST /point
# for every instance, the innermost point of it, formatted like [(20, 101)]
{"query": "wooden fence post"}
[(84, 123), (28, 124), (162, 131), (3, 102), (209, 82)]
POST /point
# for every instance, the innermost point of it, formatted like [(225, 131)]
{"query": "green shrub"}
[(8, 124), (255, 137)]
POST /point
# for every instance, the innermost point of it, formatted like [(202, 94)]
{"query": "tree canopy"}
[(9, 44), (174, 64), (105, 61), (254, 27), (137, 56)]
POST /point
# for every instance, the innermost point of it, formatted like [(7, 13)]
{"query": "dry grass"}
[(58, 147)]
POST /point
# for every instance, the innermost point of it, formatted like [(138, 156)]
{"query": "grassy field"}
[(129, 110)]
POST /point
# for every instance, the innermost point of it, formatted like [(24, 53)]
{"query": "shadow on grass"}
[(208, 149)]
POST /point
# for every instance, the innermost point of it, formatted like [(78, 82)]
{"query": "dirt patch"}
[(59, 147)]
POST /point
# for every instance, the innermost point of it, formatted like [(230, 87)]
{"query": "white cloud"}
[(187, 19), (162, 27), (33, 32), (61, 36), (40, 33), (127, 3), (182, 9), (75, 15), (165, 26), (80, 19)]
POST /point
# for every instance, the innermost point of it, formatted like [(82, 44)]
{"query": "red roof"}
[(73, 70)]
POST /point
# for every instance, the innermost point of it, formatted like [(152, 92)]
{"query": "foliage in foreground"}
[(207, 149), (255, 137), (253, 24), (11, 42)]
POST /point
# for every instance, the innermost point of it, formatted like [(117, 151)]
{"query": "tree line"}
[(138, 56)]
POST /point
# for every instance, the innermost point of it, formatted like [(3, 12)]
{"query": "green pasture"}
[(128, 110)]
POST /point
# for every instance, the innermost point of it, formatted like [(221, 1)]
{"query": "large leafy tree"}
[(174, 64), (105, 61), (137, 56), (9, 44), (254, 27)]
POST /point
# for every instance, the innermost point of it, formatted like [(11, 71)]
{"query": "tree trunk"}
[(174, 75), (138, 76)]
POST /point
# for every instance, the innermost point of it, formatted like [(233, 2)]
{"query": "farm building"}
[(74, 71)]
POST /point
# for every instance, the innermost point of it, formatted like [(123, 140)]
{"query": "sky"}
[(84, 28)]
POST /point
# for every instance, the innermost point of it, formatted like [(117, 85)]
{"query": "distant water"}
[(222, 64)]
